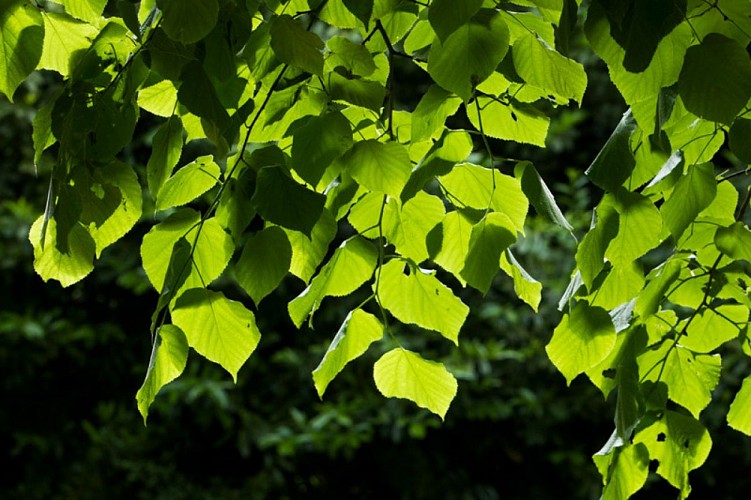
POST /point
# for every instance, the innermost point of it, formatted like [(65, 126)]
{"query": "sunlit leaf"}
[(264, 261), (21, 36), (188, 183)]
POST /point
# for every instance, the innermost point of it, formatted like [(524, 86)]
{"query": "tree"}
[(293, 108)]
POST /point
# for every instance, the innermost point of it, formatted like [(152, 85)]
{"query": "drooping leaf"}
[(405, 374), (165, 153), (511, 121), (50, 262), (489, 238), (615, 162), (446, 16), (188, 21), (281, 200), (221, 330), (693, 192), (539, 195), (309, 251), (715, 82), (169, 355), (296, 46), (420, 299), (21, 36), (318, 143), (188, 183), (379, 166), (583, 339), (431, 112), (359, 330), (470, 54), (64, 40), (526, 287), (264, 261), (351, 266), (624, 470), (739, 415), (448, 244)]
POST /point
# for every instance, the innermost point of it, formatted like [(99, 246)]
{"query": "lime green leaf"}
[(622, 283), (212, 249), (66, 267), (349, 55), (123, 214), (168, 359), (734, 241), (545, 68), (85, 10), (509, 121), (363, 93), (624, 471), (63, 37), (690, 377), (379, 166), (740, 139), (309, 251), (481, 188), (420, 299), (639, 228), (336, 13), (449, 243), (159, 99), (739, 415), (188, 183), (489, 238), (165, 153), (405, 374), (526, 287), (715, 82), (454, 146), (713, 327), (264, 262), (649, 300), (318, 143), (358, 331), (583, 339), (351, 265), (680, 444), (693, 192), (188, 21), (446, 16), (295, 46), (42, 128), (281, 200), (430, 114), (21, 37), (470, 54), (615, 162), (539, 195), (221, 330)]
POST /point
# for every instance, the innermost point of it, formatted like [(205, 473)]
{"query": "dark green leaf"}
[(281, 200)]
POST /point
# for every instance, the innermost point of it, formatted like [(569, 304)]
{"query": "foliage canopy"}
[(294, 104)]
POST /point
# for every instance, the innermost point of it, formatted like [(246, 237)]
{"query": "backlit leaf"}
[(526, 287), (281, 200), (63, 38), (734, 241), (264, 262), (295, 46), (379, 166), (188, 21), (66, 267), (21, 36), (739, 415), (446, 16), (489, 238), (165, 153), (188, 183), (509, 121), (693, 192)]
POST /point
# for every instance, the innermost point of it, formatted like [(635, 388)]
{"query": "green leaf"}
[(539, 195), (690, 377), (351, 265), (108, 222), (482, 188), (50, 262), (188, 21), (169, 356), (639, 228), (430, 114), (740, 139), (165, 153), (470, 54), (21, 37), (715, 82), (512, 121), (448, 244), (64, 40), (420, 299), (265, 260), (680, 444), (379, 166), (446, 16), (357, 91), (188, 183), (359, 330), (624, 471), (734, 241), (583, 339), (159, 99), (212, 249), (713, 327), (281, 200), (489, 238), (354, 57), (219, 329), (85, 10), (318, 143), (309, 251), (739, 415), (405, 374), (454, 146), (526, 287), (295, 46), (693, 192), (541, 66), (615, 162), (199, 95)]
